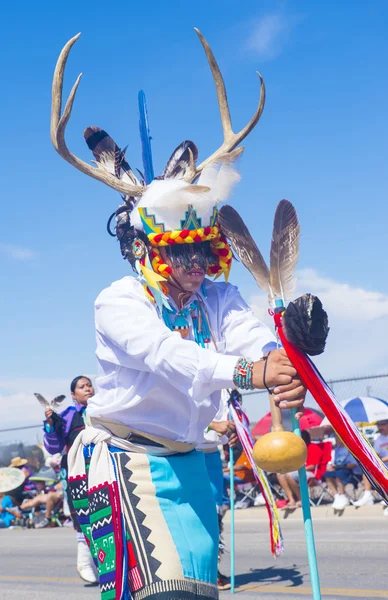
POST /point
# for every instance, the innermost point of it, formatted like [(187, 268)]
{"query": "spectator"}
[(35, 459), (49, 493), (339, 473), (60, 433), (314, 467), (242, 473), (381, 447), (21, 463), (8, 511)]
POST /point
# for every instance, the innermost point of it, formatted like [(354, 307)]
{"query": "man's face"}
[(383, 427), (189, 264)]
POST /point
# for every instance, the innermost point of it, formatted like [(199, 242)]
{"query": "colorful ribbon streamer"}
[(244, 435), (370, 463)]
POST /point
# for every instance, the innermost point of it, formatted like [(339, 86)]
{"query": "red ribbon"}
[(367, 458)]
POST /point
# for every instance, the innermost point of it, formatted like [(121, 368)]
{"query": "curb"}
[(259, 513)]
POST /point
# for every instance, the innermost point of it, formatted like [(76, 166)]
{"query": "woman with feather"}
[(60, 432), (169, 340)]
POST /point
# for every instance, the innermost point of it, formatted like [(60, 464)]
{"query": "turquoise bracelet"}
[(243, 374)]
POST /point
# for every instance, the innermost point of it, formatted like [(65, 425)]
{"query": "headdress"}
[(178, 207)]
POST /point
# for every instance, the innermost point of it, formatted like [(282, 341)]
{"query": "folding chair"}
[(317, 488)]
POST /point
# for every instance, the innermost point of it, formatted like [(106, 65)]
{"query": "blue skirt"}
[(214, 468), (153, 533)]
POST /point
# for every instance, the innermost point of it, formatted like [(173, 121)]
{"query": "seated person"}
[(242, 473), (290, 481), (22, 464), (340, 472), (381, 446), (49, 493), (8, 511)]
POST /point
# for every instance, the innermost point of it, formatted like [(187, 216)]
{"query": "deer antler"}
[(58, 126), (227, 150)]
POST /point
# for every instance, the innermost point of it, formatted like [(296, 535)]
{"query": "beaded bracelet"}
[(242, 374)]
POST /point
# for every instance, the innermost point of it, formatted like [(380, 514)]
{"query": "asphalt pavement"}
[(352, 555)]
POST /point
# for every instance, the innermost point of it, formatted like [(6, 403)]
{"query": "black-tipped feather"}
[(179, 162), (108, 154)]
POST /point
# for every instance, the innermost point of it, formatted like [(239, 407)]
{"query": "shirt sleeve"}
[(54, 438), (222, 415), (244, 334), (7, 502), (53, 442), (130, 334)]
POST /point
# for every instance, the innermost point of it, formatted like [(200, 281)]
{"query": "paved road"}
[(353, 553)]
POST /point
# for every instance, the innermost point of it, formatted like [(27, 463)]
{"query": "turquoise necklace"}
[(177, 320)]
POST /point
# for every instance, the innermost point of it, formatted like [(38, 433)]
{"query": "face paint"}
[(187, 257)]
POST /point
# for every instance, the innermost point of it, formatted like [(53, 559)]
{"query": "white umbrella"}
[(364, 410), (10, 479)]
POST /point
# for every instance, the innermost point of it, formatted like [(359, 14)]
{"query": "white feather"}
[(220, 177), (170, 198)]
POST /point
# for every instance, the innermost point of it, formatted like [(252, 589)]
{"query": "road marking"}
[(35, 578), (307, 591), (248, 587)]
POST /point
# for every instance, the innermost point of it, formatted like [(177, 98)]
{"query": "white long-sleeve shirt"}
[(156, 382), (211, 440)]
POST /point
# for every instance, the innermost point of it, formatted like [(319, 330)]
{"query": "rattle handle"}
[(276, 414)]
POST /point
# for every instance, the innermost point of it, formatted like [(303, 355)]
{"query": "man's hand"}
[(223, 427), (227, 428), (49, 415), (288, 389)]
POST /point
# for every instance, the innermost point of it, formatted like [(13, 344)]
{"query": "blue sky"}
[(320, 143)]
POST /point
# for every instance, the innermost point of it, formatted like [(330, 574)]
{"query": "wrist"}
[(258, 375)]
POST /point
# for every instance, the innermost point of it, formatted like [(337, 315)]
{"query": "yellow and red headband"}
[(218, 244)]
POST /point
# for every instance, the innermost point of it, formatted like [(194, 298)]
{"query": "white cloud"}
[(358, 321), (18, 252), (20, 408), (343, 301), (270, 34)]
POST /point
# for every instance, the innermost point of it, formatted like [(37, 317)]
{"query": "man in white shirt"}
[(168, 342), (381, 446), (162, 387)]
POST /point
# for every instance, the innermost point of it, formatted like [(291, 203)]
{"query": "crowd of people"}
[(329, 466), (45, 483), (42, 500)]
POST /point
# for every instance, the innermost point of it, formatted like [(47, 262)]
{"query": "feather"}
[(173, 194), (145, 138), (42, 400), (57, 401), (108, 155), (53, 404), (284, 250), (179, 162), (220, 177), (244, 246), (172, 197)]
